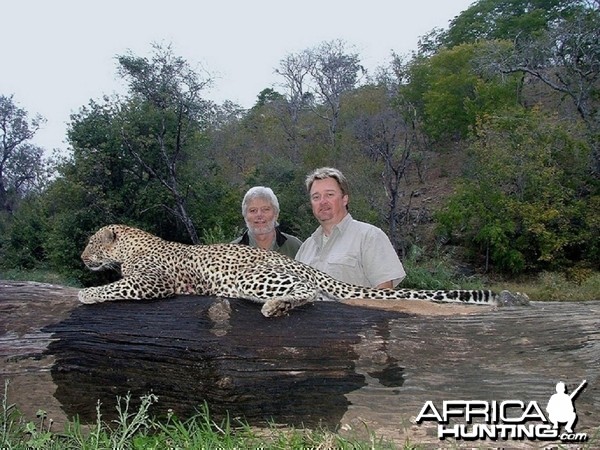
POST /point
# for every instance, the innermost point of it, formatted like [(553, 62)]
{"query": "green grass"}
[(574, 284), (137, 429), (438, 274), (41, 275), (552, 286)]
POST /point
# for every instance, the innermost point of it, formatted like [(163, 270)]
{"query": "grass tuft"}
[(553, 286), (40, 275), (137, 429), (436, 273)]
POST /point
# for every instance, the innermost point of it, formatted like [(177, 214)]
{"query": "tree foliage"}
[(506, 19), (566, 59), (524, 202), (22, 169), (450, 93), (164, 158), (161, 122), (385, 129), (318, 78)]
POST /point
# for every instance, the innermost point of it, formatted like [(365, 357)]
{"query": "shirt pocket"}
[(344, 261), (345, 268)]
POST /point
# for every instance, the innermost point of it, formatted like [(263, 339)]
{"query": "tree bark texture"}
[(340, 365)]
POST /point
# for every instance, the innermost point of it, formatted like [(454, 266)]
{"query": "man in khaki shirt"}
[(346, 249)]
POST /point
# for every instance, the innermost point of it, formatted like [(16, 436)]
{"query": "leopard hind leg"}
[(278, 290)]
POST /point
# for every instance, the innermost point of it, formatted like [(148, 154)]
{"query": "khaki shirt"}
[(355, 252)]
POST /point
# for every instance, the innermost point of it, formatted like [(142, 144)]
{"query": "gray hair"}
[(328, 172), (262, 192)]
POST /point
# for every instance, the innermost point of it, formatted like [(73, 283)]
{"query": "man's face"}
[(260, 216), (327, 201)]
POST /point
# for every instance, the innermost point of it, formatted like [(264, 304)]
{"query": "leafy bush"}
[(439, 272), (524, 202)]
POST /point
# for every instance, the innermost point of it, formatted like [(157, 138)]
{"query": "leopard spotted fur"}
[(153, 268)]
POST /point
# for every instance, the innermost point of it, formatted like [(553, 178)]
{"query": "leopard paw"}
[(275, 308), (85, 297)]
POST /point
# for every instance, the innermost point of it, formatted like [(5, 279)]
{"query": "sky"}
[(60, 54)]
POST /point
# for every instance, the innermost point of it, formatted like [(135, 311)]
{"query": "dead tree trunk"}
[(327, 363)]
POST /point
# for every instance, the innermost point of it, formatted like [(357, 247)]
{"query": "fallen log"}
[(295, 370), (340, 365)]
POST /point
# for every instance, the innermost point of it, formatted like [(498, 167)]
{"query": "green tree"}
[(524, 203), (22, 168), (564, 58), (295, 71), (139, 159), (100, 163), (317, 78), (505, 19), (384, 127), (335, 71), (448, 92), (23, 237), (162, 122)]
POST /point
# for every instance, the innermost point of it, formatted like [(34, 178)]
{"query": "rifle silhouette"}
[(579, 388)]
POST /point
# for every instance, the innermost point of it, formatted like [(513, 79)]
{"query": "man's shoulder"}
[(311, 240), (292, 239), (364, 227)]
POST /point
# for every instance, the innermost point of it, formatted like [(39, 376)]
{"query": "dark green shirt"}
[(284, 243)]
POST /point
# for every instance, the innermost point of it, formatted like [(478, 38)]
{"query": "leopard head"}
[(108, 247)]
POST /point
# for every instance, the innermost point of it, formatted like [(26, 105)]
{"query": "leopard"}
[(154, 268)]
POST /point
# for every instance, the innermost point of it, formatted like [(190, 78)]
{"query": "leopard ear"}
[(108, 236)]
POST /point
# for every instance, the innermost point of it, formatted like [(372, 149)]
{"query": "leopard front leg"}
[(299, 293), (280, 291), (135, 287), (279, 306)]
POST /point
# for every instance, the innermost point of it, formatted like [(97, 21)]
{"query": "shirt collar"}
[(342, 225), (279, 238)]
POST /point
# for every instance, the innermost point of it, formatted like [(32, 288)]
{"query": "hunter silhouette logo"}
[(507, 419), (560, 406)]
